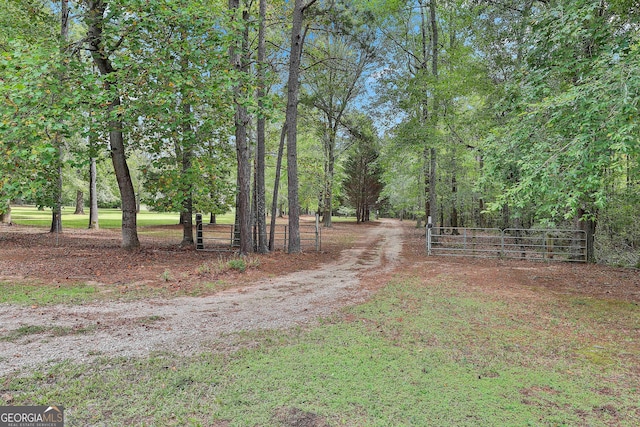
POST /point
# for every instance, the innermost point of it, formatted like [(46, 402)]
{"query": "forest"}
[(477, 113)]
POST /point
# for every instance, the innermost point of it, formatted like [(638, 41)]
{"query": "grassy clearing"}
[(112, 218), (420, 353), (108, 218)]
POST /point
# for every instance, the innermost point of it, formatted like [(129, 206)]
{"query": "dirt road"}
[(189, 325)]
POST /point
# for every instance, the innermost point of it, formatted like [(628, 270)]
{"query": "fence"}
[(510, 243), (161, 235), (222, 237)]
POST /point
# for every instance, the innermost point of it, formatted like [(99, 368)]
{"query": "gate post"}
[(199, 238), (284, 244), (317, 233), (429, 228), (464, 237)]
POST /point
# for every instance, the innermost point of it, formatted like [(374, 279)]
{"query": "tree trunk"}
[(95, 17), (260, 195), (236, 221), (56, 218), (587, 224), (5, 215), (297, 42), (187, 224), (433, 200), (329, 173), (427, 186), (243, 152), (363, 190), (454, 198), (276, 185), (433, 207), (480, 217), (127, 195), (79, 203), (424, 115), (93, 194), (187, 155), (185, 151)]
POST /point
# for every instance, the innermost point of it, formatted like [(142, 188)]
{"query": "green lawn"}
[(112, 218), (108, 218), (422, 352)]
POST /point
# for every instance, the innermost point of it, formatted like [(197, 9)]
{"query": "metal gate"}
[(510, 243)]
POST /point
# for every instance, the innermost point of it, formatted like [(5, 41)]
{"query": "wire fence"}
[(223, 237), (161, 235), (214, 237)]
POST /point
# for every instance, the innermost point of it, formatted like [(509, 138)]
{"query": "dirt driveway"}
[(189, 325), (284, 291)]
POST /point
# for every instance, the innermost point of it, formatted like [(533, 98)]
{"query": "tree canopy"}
[(505, 114)]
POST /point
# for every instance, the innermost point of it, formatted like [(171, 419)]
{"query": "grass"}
[(112, 218), (237, 264), (421, 352), (56, 331), (108, 218), (33, 294), (342, 219)]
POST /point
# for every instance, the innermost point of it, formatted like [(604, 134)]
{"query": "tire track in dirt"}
[(189, 325)]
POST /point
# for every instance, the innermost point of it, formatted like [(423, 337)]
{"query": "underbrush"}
[(617, 239)]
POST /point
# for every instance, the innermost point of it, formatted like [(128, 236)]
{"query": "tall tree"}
[(56, 220), (37, 108), (93, 188), (180, 59), (95, 19), (433, 113), (363, 183), (240, 61), (293, 88), (570, 116), (342, 52), (261, 222), (276, 187)]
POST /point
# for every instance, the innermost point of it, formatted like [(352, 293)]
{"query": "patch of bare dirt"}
[(294, 417)]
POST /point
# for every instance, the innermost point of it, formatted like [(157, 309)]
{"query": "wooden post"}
[(429, 228), (317, 233)]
